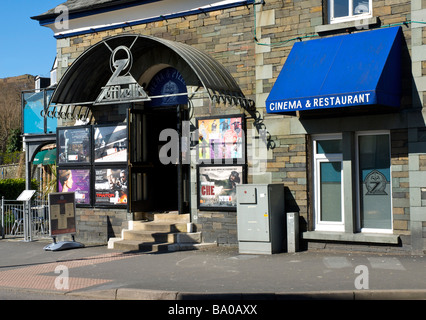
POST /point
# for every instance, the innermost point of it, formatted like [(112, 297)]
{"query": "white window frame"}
[(337, 226), (358, 184), (351, 16)]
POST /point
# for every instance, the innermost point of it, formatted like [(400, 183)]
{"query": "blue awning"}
[(357, 69)]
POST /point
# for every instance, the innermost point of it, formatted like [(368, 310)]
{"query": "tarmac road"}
[(218, 273)]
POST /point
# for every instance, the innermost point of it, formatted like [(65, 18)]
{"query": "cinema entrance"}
[(157, 184), (124, 110)]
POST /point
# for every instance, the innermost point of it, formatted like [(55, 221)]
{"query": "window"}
[(347, 10), (371, 196), (375, 195), (328, 183)]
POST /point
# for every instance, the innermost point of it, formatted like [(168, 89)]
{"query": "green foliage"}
[(10, 189), (14, 142), (9, 157)]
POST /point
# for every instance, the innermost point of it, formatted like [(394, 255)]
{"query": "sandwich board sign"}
[(62, 220)]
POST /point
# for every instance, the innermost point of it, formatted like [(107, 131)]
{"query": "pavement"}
[(213, 273)]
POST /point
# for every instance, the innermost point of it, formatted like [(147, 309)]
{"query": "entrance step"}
[(172, 217), (162, 226), (166, 232), (134, 245)]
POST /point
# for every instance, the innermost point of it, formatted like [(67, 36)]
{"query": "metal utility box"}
[(260, 218)]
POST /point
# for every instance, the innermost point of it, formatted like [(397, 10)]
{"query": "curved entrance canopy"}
[(139, 58)]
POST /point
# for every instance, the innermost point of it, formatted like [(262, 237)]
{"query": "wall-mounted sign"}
[(330, 101), (121, 87), (170, 86)]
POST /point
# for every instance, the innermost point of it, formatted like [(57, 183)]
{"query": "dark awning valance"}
[(358, 69), (84, 79)]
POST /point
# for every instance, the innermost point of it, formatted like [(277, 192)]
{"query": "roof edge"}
[(51, 15)]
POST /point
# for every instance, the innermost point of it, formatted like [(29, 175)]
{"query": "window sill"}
[(382, 238), (349, 25)]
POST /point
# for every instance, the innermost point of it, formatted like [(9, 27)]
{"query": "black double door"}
[(157, 184)]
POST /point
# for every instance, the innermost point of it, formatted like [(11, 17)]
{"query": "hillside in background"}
[(10, 104)]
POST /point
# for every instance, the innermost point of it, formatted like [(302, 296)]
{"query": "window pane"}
[(329, 146), (374, 165), (360, 6), (330, 189), (341, 8)]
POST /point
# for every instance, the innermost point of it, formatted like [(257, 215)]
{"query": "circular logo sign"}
[(168, 84), (375, 182), (122, 58)]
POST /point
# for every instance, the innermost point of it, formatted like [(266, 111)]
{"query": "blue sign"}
[(34, 112), (170, 86), (330, 101)]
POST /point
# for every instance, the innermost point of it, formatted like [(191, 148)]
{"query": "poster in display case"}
[(110, 143), (221, 139), (74, 145), (111, 186), (77, 181), (217, 187)]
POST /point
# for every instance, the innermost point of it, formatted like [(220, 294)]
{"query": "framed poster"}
[(111, 186), (110, 143), (217, 187), (77, 181), (221, 139), (62, 213), (74, 145)]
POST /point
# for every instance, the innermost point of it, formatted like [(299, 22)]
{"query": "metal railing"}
[(27, 219)]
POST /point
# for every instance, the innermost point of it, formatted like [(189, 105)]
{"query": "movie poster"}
[(220, 138), (75, 180), (111, 186), (110, 143), (74, 145), (217, 186)]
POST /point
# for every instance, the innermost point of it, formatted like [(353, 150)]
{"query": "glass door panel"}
[(375, 177), (330, 191)]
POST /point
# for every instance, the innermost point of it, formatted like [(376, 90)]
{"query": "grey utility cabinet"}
[(260, 218)]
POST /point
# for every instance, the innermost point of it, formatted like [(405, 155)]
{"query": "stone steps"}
[(154, 226), (165, 232)]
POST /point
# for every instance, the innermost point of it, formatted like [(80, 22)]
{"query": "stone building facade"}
[(252, 40)]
